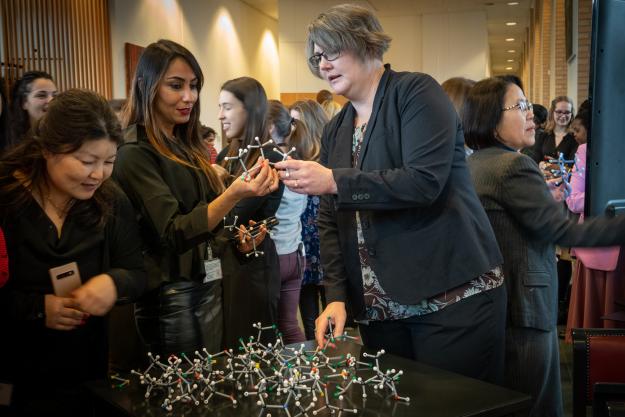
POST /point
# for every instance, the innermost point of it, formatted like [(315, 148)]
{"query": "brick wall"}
[(561, 63), (583, 49), (547, 14), (537, 62)]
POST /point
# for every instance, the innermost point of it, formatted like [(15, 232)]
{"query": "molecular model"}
[(293, 381), (252, 232), (247, 173), (563, 172)]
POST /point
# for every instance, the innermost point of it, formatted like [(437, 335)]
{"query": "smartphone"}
[(65, 279)]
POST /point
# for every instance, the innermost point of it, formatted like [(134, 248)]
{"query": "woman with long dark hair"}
[(180, 200), (59, 212), (251, 286), (30, 98)]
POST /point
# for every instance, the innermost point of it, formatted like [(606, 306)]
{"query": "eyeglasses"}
[(562, 112), (315, 59), (522, 105)]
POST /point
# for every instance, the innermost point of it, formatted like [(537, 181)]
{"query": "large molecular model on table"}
[(293, 380)]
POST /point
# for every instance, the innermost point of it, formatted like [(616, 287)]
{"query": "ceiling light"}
[(511, 51), (513, 3), (509, 60), (509, 68), (510, 23), (509, 39)]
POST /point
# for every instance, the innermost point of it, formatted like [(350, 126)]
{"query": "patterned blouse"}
[(313, 274), (379, 306)]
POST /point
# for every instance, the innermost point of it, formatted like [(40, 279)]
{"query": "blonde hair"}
[(331, 108), (294, 132), (457, 88), (313, 116), (551, 122)]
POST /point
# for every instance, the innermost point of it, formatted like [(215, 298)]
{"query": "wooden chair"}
[(598, 357)]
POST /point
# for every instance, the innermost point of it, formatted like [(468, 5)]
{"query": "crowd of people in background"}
[(427, 214)]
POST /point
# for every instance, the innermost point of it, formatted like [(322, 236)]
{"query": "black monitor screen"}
[(605, 170)]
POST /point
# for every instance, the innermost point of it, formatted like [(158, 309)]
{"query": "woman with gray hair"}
[(403, 235)]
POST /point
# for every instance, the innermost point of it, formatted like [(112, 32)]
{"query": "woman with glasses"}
[(498, 121), (556, 138), (30, 97), (403, 236)]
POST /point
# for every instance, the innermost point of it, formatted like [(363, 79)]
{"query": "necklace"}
[(61, 211)]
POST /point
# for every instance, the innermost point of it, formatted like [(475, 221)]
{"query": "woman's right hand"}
[(62, 313), (261, 182), (334, 312)]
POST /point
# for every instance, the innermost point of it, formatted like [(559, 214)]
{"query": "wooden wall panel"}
[(70, 39), (132, 53), (289, 98)]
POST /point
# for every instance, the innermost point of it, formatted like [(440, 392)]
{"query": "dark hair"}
[(585, 106), (4, 116), (511, 78), (315, 119), (252, 94), (206, 131), (540, 114), (347, 27), (324, 95), (457, 89), (20, 121), (483, 111), (584, 118), (152, 66), (73, 118)]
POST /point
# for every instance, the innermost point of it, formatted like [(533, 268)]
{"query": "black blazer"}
[(423, 224)]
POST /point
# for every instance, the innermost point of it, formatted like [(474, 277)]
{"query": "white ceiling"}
[(498, 12)]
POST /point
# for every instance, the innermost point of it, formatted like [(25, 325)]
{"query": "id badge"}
[(212, 270), (212, 266)]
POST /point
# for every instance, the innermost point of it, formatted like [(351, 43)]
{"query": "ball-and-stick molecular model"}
[(281, 379)]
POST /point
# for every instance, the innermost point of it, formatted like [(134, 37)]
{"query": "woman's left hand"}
[(97, 296), (306, 177), (261, 182)]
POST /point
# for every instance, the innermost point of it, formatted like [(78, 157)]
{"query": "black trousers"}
[(467, 337)]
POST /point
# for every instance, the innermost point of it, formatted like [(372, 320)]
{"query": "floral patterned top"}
[(379, 306), (313, 273)]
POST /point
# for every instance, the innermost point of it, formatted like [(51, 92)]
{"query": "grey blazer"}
[(528, 222)]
